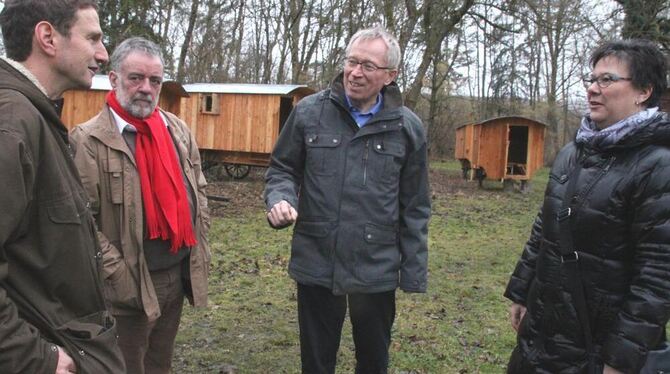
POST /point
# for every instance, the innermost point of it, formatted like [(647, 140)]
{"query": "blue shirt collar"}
[(362, 118)]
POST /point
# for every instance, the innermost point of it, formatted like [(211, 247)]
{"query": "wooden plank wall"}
[(493, 149), (170, 103), (245, 123), (476, 133), (81, 105), (535, 148), (465, 143), (459, 152)]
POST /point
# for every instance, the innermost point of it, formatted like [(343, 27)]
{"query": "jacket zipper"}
[(365, 161)]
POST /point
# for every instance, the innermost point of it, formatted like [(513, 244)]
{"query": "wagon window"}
[(209, 103)]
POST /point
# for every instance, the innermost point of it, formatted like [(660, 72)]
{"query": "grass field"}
[(459, 326)]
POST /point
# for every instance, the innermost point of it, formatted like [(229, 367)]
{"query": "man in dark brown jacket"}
[(53, 316), (140, 166)]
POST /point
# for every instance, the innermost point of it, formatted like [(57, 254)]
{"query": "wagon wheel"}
[(237, 171)]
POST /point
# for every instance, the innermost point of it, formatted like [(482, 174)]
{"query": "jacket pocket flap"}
[(113, 165), (316, 229), (380, 234), (63, 213), (389, 148), (323, 140), (93, 338), (87, 327)]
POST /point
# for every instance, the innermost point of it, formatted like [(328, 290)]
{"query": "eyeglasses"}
[(367, 66), (603, 80)]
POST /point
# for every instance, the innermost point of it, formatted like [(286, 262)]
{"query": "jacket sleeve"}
[(22, 349), (522, 277), (287, 161), (414, 202), (641, 321), (87, 164), (201, 183)]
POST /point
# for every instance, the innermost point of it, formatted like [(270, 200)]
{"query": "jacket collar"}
[(391, 109), (13, 79), (23, 70), (655, 129), (105, 130), (391, 93)]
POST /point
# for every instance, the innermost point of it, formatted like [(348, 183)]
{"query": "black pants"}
[(321, 316)]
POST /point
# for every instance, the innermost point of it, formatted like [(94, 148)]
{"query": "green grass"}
[(459, 326)]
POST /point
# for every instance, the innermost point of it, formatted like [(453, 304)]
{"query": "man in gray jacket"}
[(350, 170)]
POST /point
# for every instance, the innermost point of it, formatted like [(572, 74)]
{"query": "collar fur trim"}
[(23, 70)]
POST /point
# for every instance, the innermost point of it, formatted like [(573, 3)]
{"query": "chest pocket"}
[(323, 153), (113, 174), (63, 211), (388, 160)]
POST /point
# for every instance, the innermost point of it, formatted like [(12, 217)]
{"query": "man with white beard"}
[(141, 169)]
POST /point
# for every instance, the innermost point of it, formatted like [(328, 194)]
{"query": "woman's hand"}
[(516, 313), (610, 370)]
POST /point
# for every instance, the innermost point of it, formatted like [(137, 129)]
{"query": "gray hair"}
[(135, 44), (378, 32)]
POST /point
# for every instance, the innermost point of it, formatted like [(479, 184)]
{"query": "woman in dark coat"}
[(617, 217)]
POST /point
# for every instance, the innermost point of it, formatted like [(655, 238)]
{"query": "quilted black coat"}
[(621, 230)]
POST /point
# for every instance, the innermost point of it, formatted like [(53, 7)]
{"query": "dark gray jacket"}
[(361, 194)]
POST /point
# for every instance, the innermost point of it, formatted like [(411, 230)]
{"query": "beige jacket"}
[(109, 174)]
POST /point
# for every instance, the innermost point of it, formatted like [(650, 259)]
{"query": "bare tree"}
[(438, 23), (187, 38)]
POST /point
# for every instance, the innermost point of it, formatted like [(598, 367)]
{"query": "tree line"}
[(462, 60)]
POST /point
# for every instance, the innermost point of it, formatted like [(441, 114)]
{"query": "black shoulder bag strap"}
[(570, 258)]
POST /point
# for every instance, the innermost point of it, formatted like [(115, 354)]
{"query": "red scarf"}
[(166, 209)]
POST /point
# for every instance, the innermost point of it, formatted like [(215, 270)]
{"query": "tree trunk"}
[(187, 39)]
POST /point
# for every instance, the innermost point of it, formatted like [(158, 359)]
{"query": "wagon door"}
[(517, 152)]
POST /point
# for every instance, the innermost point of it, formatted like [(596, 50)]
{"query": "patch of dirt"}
[(246, 194), (243, 195), (445, 182)]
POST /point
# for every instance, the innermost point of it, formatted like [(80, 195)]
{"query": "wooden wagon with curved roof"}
[(503, 149), (82, 104), (236, 125)]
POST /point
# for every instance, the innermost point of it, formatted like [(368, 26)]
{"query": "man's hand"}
[(65, 363), (282, 214), (610, 370), (516, 313)]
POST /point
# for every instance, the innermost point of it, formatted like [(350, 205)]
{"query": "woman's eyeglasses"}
[(603, 80)]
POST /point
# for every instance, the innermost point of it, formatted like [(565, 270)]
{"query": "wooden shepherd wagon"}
[(238, 124), (503, 149), (82, 104), (234, 124)]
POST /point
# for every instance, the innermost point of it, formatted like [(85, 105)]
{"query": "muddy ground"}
[(247, 194)]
